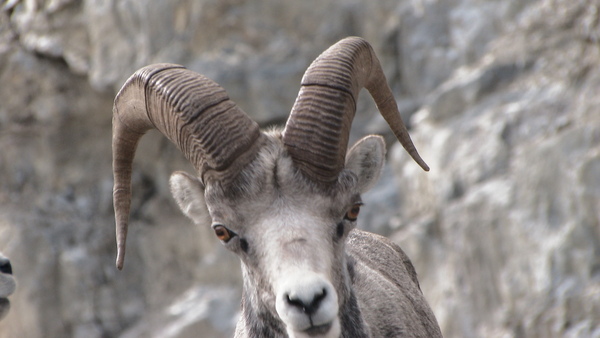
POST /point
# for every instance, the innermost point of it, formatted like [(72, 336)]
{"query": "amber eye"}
[(222, 232), (352, 213)]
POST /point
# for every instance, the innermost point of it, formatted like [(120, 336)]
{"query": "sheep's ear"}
[(366, 159), (188, 192)]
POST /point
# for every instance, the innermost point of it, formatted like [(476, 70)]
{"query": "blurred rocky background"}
[(503, 102)]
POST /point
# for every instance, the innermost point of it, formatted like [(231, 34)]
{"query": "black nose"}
[(5, 266), (309, 307)]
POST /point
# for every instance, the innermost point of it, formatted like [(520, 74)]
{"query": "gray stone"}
[(512, 231)]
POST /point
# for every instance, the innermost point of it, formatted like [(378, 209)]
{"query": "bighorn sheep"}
[(7, 285), (286, 202)]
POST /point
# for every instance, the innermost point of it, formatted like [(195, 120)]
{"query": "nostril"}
[(318, 298), (5, 267), (308, 306), (295, 302)]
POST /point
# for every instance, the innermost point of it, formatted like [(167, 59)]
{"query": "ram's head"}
[(285, 202)]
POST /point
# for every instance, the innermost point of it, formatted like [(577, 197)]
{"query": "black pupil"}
[(221, 232)]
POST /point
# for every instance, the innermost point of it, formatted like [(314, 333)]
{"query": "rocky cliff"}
[(502, 100)]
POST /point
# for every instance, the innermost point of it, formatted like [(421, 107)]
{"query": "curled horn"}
[(192, 111), (317, 131)]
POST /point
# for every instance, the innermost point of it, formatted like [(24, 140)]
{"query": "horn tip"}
[(120, 259), (421, 163)]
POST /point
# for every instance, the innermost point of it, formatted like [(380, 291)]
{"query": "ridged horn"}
[(192, 111), (316, 133)]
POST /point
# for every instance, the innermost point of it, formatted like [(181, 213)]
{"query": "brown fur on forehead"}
[(273, 176)]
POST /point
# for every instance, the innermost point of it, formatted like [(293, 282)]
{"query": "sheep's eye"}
[(352, 213), (223, 233)]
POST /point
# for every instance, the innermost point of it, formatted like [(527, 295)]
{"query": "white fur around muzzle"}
[(308, 305)]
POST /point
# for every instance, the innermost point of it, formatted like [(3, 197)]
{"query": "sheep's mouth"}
[(318, 330)]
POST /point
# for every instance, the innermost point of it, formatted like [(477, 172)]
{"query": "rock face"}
[(504, 231), (508, 219)]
